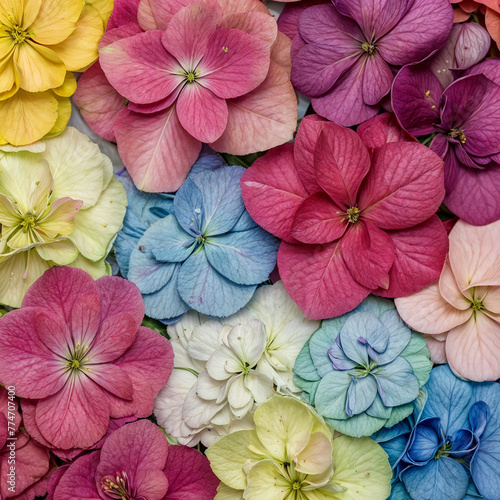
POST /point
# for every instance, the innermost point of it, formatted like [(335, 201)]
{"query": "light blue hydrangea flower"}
[(202, 251), (363, 370), (449, 448)]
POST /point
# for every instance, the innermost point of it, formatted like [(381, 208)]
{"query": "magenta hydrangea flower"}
[(352, 48), (77, 350), (351, 223), (137, 463), (198, 71)]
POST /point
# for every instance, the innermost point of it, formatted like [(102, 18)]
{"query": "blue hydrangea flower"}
[(202, 252), (363, 370), (449, 449)]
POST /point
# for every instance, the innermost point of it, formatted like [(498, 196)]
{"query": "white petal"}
[(248, 341)]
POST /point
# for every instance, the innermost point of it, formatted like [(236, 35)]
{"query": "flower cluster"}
[(233, 276)]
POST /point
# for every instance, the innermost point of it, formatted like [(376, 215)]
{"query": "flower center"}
[(191, 76), (353, 214), (443, 451), (118, 487), (369, 48), (296, 485), (28, 222), (458, 134), (477, 305), (19, 35), (76, 359)]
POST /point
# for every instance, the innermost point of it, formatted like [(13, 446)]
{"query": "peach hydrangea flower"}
[(461, 311)]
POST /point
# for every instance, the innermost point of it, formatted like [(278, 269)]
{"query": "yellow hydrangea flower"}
[(291, 456), (59, 206), (41, 43)]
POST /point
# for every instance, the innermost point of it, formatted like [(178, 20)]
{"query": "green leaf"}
[(155, 325)]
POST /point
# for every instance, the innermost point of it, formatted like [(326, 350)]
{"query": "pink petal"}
[(124, 31), (369, 254), (473, 349), (474, 254), (419, 258), (405, 186), (55, 478), (259, 24), (134, 447), (156, 150), (201, 113), (85, 319), (272, 191), (318, 280), (341, 161), (281, 53), (124, 12), (25, 362), (305, 144), (152, 73), (377, 79), (437, 348), (382, 129), (55, 333), (234, 63), (449, 290), (99, 102), (119, 296), (59, 289), (492, 300), (189, 475), (288, 21), (427, 312), (111, 378), (188, 33), (80, 477), (318, 220), (75, 417), (262, 119)]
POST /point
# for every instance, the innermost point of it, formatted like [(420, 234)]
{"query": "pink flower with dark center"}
[(136, 463), (352, 223), (77, 350)]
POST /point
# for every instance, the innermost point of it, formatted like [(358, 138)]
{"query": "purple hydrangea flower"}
[(352, 49)]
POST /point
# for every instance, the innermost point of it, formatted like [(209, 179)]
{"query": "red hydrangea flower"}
[(77, 350), (351, 223)]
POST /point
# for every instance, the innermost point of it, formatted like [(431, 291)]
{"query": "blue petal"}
[(166, 304), (124, 246), (207, 291), (208, 160), (398, 492), (472, 493), (375, 305), (360, 395), (448, 398), (168, 241), (425, 441), (386, 434), (397, 384), (378, 409), (147, 273), (188, 208), (463, 443), (479, 416), (358, 425), (358, 330), (442, 479), (244, 223), (339, 360), (399, 337), (246, 257), (331, 395), (394, 447), (304, 366)]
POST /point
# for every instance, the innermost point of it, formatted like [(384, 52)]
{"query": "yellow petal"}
[(55, 21), (63, 116), (95, 269), (267, 479), (61, 252), (10, 79), (226, 493), (68, 87), (60, 220), (104, 7), (11, 12), (7, 44), (40, 67), (26, 117), (17, 274), (80, 49), (8, 215)]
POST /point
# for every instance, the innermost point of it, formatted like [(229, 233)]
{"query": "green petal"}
[(61, 253), (418, 355), (358, 425), (399, 413), (266, 479)]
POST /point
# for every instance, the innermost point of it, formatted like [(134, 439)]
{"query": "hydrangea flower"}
[(291, 455), (449, 447), (459, 312), (222, 369), (76, 348), (467, 129), (59, 206), (351, 49), (199, 72), (137, 462), (208, 254), (42, 42), (352, 223), (363, 370)]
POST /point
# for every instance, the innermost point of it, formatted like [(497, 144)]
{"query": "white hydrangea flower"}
[(225, 368)]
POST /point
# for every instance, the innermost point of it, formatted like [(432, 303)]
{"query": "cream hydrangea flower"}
[(41, 42), (59, 206), (225, 368), (291, 456)]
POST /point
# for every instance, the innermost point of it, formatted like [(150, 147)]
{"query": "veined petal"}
[(59, 221), (68, 87)]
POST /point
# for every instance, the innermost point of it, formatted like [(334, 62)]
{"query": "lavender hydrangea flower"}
[(352, 49), (363, 370)]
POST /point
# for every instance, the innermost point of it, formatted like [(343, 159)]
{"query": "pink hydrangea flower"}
[(460, 312), (136, 462), (197, 72), (351, 223), (77, 350)]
